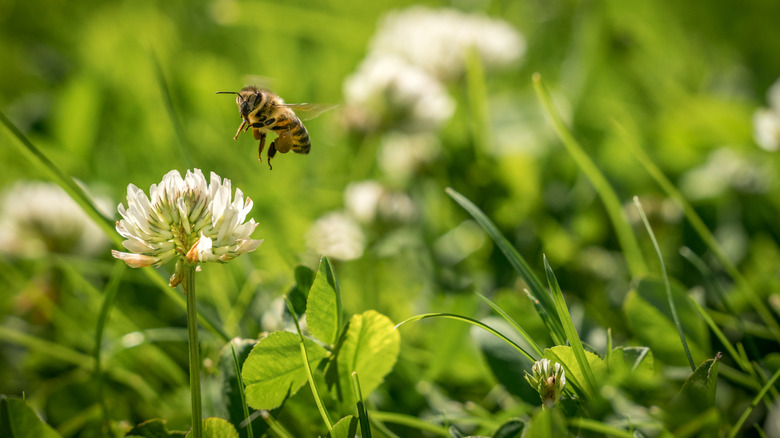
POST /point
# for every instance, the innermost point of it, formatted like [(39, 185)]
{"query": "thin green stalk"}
[(194, 349), (108, 302), (275, 426), (181, 134), (625, 235), (365, 427), (668, 287), (479, 113), (249, 431), (409, 421), (470, 321), (382, 428), (735, 430), (724, 340), (714, 285), (571, 331), (307, 366), (528, 338), (599, 427), (704, 233)]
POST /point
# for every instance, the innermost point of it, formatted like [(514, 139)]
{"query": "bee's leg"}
[(261, 146), (271, 153), (240, 127)]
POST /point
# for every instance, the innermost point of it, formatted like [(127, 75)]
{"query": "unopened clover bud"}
[(548, 379)]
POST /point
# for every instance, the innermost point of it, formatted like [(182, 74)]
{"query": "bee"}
[(264, 111)]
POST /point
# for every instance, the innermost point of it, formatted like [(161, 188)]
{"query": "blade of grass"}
[(274, 425), (514, 324), (612, 204), (717, 288), (410, 421), (769, 384), (108, 302), (668, 287), (571, 331), (704, 233), (249, 431), (479, 113), (725, 341), (307, 366), (365, 427), (599, 427), (545, 306), (470, 321), (181, 134), (382, 428)]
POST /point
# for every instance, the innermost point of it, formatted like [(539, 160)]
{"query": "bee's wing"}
[(308, 111), (258, 81)]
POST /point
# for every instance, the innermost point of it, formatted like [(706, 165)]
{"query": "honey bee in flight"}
[(264, 111)]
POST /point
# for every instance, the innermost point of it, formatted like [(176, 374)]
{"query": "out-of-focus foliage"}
[(123, 92)]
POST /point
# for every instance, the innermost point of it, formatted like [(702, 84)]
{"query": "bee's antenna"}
[(227, 92)]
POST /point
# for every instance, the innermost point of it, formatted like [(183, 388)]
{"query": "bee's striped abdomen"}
[(300, 137)]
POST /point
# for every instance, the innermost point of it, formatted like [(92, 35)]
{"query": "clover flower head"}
[(766, 121), (337, 236), (438, 40), (389, 91), (39, 217), (187, 220), (370, 201), (548, 379)]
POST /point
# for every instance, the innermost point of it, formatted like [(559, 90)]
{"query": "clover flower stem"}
[(192, 328)]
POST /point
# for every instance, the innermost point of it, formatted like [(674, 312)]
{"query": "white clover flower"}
[(401, 155), (362, 198), (337, 236), (386, 90), (39, 217), (438, 40), (726, 169), (368, 201), (187, 220), (766, 121), (548, 379)]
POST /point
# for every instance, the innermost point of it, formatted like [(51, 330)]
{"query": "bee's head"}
[(247, 99)]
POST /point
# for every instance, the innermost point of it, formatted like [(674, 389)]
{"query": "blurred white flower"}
[(766, 121), (368, 201), (185, 219), (362, 200), (40, 217), (401, 155), (725, 169), (337, 236), (549, 379), (386, 90), (438, 40)]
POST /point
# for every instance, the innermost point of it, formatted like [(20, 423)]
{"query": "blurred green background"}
[(122, 92)]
